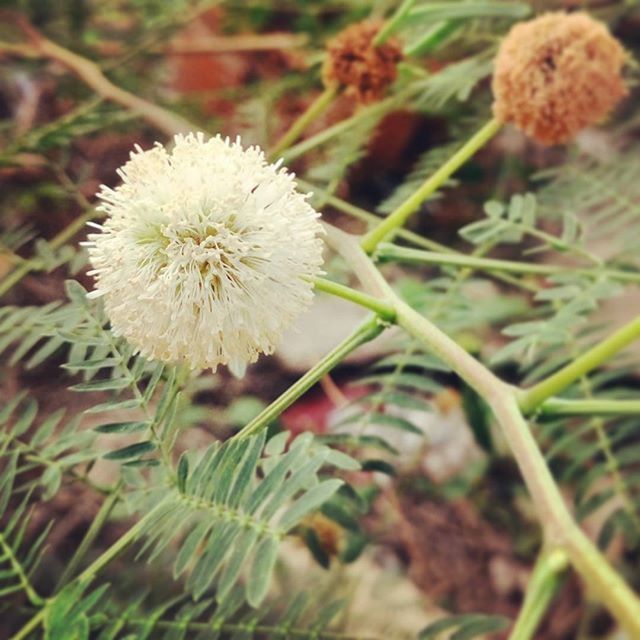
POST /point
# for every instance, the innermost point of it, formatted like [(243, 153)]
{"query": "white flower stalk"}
[(207, 253)]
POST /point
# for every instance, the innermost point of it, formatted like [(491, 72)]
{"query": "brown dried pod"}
[(557, 74), (354, 61)]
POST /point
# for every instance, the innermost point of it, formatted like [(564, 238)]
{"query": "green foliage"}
[(455, 83), (464, 627), (52, 447), (602, 193), (344, 152), (426, 164), (88, 118), (67, 616), (17, 559), (228, 619), (228, 520)]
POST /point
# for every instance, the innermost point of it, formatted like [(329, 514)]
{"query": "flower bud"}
[(355, 62)]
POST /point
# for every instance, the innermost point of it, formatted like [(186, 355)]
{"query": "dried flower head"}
[(557, 74), (355, 62), (206, 253)]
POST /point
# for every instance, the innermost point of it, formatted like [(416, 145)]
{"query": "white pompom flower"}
[(207, 253)]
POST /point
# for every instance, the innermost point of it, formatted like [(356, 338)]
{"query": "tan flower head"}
[(557, 74), (355, 62)]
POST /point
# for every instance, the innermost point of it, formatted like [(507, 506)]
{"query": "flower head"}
[(206, 253), (557, 74), (354, 61)]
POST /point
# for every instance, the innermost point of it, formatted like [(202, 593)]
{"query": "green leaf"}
[(103, 385), (242, 410), (468, 626), (338, 512), (26, 418), (122, 427), (379, 466), (312, 540), (195, 537), (341, 460), (183, 472), (98, 363), (114, 405), (239, 552), (47, 349), (277, 444), (132, 451), (51, 479), (309, 502), (76, 292), (143, 462)]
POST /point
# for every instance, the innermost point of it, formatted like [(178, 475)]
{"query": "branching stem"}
[(6, 551), (533, 397), (544, 583), (399, 216), (560, 529), (91, 74), (383, 310)]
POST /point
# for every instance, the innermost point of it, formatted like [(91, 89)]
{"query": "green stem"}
[(393, 22), (410, 236), (544, 583), (387, 251), (92, 533), (32, 625), (367, 331), (399, 216), (590, 407), (317, 107), (383, 310), (117, 548), (346, 125), (439, 32), (370, 218), (533, 397)]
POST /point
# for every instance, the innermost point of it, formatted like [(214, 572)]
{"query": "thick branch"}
[(561, 531), (89, 72)]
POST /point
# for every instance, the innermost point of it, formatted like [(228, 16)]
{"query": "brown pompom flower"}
[(355, 62), (556, 75)]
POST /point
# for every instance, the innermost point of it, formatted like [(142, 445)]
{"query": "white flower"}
[(206, 254)]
